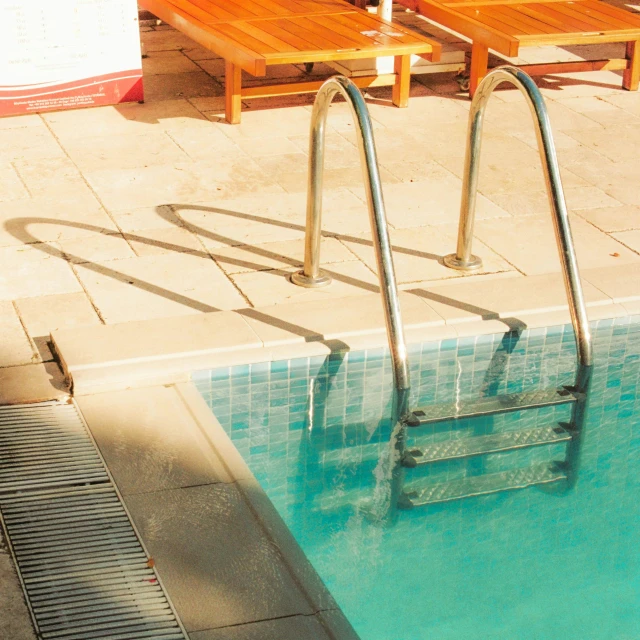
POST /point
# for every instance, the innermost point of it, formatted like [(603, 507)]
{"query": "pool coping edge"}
[(177, 367)]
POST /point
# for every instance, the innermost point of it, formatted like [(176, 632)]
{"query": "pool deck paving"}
[(161, 213)]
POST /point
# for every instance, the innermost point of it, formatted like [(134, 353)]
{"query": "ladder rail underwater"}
[(311, 276)]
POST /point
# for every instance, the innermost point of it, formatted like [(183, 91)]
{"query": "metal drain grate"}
[(84, 571)]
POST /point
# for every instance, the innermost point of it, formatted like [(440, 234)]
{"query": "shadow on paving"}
[(19, 228)]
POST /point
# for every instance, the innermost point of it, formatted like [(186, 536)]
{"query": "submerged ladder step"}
[(420, 495), (480, 445), (491, 405), (355, 454)]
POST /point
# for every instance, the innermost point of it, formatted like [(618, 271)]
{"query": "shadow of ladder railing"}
[(400, 458)]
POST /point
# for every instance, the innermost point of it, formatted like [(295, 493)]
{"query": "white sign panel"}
[(58, 54)]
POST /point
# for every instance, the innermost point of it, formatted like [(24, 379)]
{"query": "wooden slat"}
[(261, 32), (601, 17), (310, 14), (327, 55), (237, 37), (592, 15), (618, 19), (309, 6), (481, 3), (265, 9), (578, 20), (358, 26), (473, 29), (543, 15), (514, 20), (351, 23), (560, 40), (333, 39), (240, 10), (343, 26), (299, 38), (574, 66), (366, 22), (274, 8), (631, 18), (223, 11), (517, 17), (318, 42), (293, 88), (279, 9), (208, 37), (314, 7), (487, 17), (216, 12), (194, 10)]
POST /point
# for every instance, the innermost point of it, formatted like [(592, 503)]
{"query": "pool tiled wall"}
[(290, 419), (527, 564)]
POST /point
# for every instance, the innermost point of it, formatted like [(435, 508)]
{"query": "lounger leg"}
[(479, 65), (402, 68), (232, 91), (631, 76)]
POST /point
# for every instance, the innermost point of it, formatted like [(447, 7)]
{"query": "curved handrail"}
[(311, 275), (464, 260)]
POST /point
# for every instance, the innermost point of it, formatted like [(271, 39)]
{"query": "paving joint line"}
[(35, 354), (83, 177)]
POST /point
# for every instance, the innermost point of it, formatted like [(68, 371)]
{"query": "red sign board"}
[(68, 54)]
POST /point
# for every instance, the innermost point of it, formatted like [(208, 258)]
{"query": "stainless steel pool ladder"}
[(421, 493)]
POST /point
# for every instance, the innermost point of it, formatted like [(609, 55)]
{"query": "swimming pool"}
[(531, 564)]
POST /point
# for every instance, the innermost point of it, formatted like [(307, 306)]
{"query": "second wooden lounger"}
[(506, 25)]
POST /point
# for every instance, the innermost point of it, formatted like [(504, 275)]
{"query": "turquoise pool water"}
[(532, 564)]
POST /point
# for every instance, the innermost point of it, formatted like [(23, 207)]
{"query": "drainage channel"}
[(82, 565)]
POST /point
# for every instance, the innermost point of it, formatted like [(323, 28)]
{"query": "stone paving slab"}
[(226, 573), (293, 628)]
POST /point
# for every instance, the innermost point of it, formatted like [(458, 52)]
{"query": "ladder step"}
[(355, 454), (353, 498), (419, 496), (480, 445), (491, 405)]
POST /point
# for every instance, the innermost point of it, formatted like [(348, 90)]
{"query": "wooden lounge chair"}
[(506, 25), (253, 34)]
